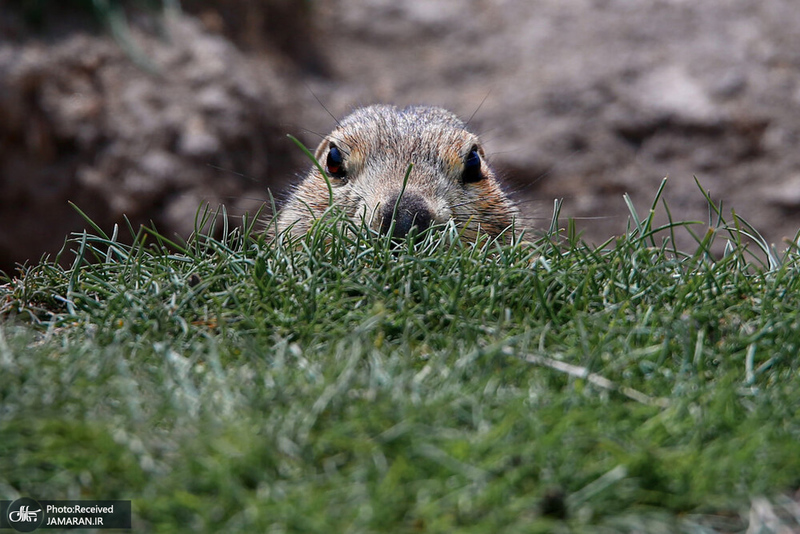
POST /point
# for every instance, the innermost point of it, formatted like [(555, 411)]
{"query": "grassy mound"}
[(341, 383)]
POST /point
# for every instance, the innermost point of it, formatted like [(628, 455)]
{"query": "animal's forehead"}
[(403, 118), (413, 128)]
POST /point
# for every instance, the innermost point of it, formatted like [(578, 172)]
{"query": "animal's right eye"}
[(334, 164), (472, 167)]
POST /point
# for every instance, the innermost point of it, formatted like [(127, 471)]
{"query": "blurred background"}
[(149, 109)]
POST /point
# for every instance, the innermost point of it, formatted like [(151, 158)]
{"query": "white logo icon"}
[(23, 515)]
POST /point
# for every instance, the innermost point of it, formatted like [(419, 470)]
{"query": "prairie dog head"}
[(367, 157)]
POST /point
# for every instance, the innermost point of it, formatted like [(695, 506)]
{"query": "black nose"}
[(411, 211)]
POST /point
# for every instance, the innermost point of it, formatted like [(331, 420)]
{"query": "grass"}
[(340, 384)]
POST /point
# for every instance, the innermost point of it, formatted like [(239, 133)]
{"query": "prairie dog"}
[(367, 157)]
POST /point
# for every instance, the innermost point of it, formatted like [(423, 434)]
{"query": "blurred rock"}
[(80, 122)]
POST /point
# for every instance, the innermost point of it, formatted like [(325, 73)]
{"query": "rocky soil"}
[(577, 99)]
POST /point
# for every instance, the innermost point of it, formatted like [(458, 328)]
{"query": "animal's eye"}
[(335, 163), (472, 167)]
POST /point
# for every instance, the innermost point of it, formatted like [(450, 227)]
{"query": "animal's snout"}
[(410, 211)]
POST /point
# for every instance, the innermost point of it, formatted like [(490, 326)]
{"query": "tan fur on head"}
[(367, 157)]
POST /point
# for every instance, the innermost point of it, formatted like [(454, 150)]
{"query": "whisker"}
[(231, 171), (323, 105), (478, 108), (313, 132)]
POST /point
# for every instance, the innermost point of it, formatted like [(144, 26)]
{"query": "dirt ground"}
[(577, 99)]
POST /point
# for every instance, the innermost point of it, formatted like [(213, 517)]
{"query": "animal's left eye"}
[(472, 167), (335, 162)]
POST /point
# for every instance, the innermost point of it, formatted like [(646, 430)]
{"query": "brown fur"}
[(377, 144)]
